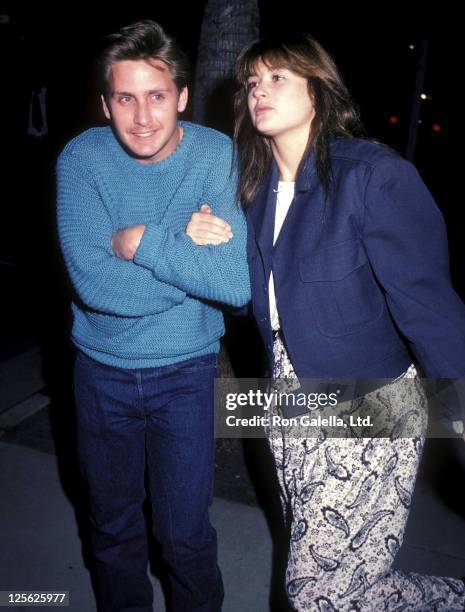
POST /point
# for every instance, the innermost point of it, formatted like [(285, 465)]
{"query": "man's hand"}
[(204, 228), (125, 242)]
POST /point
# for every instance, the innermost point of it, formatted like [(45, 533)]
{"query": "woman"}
[(349, 266)]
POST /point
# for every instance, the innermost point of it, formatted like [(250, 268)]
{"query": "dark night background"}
[(375, 47), (41, 46)]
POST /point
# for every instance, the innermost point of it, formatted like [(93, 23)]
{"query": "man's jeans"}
[(159, 420)]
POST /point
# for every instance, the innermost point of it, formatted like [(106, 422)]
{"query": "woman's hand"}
[(205, 228), (125, 242)]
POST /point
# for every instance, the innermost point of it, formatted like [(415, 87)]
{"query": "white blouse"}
[(285, 195)]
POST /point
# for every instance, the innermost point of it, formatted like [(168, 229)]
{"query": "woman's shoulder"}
[(363, 151)]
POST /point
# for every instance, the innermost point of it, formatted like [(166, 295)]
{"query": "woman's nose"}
[(259, 91)]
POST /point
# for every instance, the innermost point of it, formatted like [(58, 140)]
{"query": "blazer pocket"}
[(340, 289)]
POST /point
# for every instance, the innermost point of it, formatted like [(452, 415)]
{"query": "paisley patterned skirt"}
[(346, 502)]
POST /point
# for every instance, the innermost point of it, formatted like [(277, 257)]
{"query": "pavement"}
[(43, 534)]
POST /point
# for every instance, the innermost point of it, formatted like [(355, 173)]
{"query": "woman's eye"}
[(251, 85), (278, 77)]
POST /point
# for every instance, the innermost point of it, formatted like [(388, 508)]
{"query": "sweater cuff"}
[(150, 245)]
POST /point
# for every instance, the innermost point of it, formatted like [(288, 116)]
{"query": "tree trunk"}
[(228, 25)]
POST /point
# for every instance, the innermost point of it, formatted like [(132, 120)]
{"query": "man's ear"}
[(182, 100), (106, 110)]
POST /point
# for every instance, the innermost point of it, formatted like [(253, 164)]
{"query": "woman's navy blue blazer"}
[(359, 276)]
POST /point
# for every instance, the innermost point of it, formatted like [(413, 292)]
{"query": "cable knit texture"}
[(164, 306)]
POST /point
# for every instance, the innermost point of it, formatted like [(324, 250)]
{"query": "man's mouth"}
[(143, 134)]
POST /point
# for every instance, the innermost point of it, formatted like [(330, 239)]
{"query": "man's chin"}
[(142, 155)]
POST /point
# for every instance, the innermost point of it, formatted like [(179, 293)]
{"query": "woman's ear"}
[(311, 82)]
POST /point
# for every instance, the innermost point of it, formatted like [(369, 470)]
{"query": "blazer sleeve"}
[(406, 241)]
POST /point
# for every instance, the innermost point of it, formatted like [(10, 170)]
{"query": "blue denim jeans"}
[(158, 422)]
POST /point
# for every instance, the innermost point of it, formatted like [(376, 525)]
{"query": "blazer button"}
[(265, 289)]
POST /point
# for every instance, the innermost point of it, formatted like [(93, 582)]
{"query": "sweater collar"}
[(161, 166)]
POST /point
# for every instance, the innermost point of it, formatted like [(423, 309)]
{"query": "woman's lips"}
[(261, 109)]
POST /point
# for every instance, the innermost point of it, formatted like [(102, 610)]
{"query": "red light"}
[(436, 127), (393, 120)]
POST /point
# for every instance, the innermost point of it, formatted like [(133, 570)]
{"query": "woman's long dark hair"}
[(335, 112)]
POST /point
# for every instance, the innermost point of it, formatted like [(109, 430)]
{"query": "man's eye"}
[(124, 99), (157, 97)]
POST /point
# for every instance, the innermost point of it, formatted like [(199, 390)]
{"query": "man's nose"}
[(142, 114)]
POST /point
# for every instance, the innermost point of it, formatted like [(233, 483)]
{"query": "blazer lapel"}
[(304, 183), (262, 216), (263, 209)]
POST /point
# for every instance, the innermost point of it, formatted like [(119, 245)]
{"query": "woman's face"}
[(279, 102)]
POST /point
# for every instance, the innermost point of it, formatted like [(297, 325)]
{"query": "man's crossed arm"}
[(217, 272), (204, 228)]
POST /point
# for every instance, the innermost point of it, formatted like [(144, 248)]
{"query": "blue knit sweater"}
[(163, 307)]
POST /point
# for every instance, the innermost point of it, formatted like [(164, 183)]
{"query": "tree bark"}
[(228, 25)]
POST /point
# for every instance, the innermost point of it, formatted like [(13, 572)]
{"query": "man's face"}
[(143, 107)]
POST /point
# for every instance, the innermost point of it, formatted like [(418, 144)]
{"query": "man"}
[(147, 328)]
